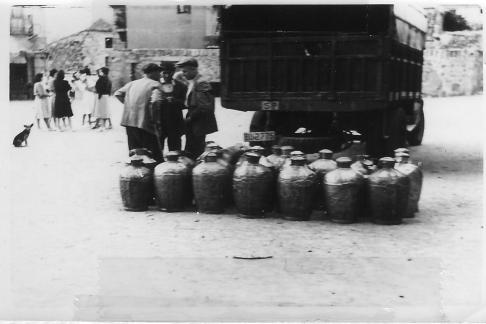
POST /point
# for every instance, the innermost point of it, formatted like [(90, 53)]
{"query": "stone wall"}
[(453, 64), (72, 53), (126, 64)]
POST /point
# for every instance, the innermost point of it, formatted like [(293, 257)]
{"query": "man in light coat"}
[(139, 116)]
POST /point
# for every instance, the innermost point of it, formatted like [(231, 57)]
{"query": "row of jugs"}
[(282, 181)]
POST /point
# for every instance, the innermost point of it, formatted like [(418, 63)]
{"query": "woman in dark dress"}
[(62, 104)]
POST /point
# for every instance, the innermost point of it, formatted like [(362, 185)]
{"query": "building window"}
[(123, 36), (108, 42), (183, 9), (120, 16), (107, 60), (16, 26)]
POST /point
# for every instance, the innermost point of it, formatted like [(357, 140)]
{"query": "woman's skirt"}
[(101, 108), (42, 109), (52, 101), (84, 103), (62, 106), (88, 102)]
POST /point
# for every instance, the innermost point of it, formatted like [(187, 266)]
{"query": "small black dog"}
[(23, 136)]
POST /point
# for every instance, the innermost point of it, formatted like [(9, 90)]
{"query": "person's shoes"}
[(109, 127)]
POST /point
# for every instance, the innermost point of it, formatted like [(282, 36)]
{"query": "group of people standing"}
[(154, 104), (55, 98)]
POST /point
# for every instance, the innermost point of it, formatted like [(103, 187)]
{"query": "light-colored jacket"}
[(136, 96)]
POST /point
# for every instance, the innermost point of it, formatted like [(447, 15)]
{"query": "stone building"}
[(453, 61), (146, 34), (91, 47), (27, 39)]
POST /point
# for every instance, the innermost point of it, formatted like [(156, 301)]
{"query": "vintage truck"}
[(325, 75)]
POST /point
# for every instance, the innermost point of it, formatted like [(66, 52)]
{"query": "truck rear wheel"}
[(416, 126), (258, 121)]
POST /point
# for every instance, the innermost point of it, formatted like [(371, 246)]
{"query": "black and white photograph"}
[(242, 161)]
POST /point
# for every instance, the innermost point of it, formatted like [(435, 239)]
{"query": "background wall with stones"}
[(86, 48), (126, 64), (453, 64)]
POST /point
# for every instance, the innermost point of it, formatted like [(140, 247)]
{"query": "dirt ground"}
[(70, 252)]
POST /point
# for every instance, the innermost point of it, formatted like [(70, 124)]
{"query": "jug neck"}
[(297, 161), (211, 157), (136, 161), (326, 154), (344, 162), (252, 158), (387, 162), (172, 156)]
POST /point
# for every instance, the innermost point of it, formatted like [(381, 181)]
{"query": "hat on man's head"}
[(188, 61), (167, 66), (151, 67), (105, 70)]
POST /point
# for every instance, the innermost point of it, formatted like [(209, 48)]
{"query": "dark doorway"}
[(18, 82)]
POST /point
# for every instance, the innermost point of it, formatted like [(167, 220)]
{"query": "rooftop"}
[(100, 25)]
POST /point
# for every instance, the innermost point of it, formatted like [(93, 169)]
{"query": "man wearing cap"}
[(172, 99), (138, 113), (200, 119)]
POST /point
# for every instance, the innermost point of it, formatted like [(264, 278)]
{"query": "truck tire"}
[(258, 121), (415, 129)]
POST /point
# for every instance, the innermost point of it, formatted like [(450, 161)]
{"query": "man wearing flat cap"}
[(200, 119), (139, 117)]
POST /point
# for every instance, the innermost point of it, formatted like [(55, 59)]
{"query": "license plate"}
[(270, 105), (259, 136)]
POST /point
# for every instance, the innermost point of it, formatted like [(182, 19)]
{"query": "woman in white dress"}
[(41, 102), (87, 97)]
